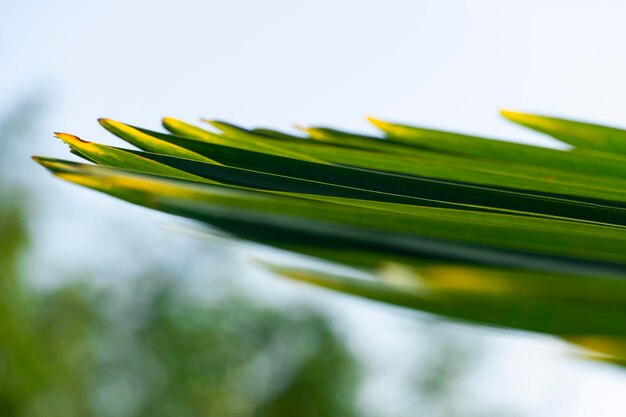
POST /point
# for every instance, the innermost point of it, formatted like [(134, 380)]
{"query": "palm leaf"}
[(476, 229)]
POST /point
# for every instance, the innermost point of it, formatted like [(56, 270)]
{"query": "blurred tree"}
[(234, 358)]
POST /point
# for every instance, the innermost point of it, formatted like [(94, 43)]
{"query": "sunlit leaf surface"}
[(476, 229)]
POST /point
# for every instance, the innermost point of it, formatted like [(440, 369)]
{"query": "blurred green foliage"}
[(72, 352)]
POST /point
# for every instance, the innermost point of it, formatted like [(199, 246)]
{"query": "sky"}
[(443, 63)]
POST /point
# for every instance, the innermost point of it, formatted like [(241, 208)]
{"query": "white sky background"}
[(447, 64)]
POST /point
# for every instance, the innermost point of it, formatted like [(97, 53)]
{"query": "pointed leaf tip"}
[(44, 162), (57, 165), (69, 139), (110, 123), (169, 121), (377, 122), (514, 115)]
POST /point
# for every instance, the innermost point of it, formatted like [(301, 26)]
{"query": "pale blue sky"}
[(439, 63)]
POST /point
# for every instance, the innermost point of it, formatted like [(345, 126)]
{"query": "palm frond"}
[(477, 229)]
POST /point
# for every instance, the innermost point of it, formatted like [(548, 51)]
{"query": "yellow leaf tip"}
[(514, 114), (168, 122), (50, 164), (505, 112), (104, 122), (376, 122), (69, 139), (43, 161)]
